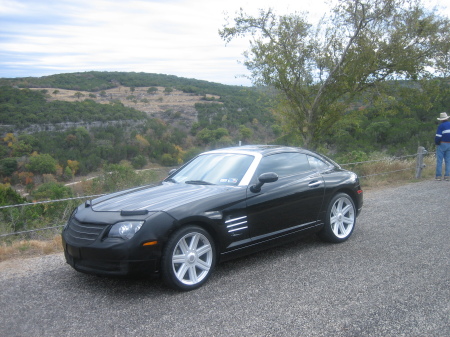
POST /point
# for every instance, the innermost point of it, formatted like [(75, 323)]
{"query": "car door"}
[(289, 204)]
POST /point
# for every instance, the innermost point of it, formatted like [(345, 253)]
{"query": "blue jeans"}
[(443, 154)]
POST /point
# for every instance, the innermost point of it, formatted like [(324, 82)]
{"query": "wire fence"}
[(390, 159), (20, 222), (35, 221)]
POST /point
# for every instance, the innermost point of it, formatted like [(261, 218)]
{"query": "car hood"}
[(157, 198)]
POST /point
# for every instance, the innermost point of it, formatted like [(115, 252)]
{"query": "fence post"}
[(421, 152)]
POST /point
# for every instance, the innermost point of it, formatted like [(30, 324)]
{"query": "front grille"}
[(82, 233)]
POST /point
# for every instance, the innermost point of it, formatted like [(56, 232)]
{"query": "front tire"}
[(340, 219), (188, 258)]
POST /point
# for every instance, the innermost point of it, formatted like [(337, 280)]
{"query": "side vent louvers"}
[(236, 224)]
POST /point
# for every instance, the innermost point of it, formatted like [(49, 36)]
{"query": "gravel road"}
[(392, 278)]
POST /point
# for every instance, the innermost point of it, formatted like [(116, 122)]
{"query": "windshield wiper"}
[(198, 182)]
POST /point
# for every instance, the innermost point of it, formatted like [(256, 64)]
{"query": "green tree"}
[(51, 191), (42, 163), (78, 95), (168, 90), (83, 137), (139, 161), (20, 148), (8, 166), (68, 174), (245, 132), (10, 197), (206, 136), (152, 90), (318, 69), (220, 132), (73, 165), (168, 160), (117, 177)]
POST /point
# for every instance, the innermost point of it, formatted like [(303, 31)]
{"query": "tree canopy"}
[(319, 69)]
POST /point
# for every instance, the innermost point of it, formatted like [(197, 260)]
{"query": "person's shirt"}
[(443, 133)]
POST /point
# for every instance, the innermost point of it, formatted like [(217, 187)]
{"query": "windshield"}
[(217, 169)]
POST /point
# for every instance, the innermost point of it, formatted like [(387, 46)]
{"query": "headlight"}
[(353, 178), (125, 229)]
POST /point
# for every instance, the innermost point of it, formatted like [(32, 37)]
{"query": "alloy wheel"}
[(192, 258), (342, 217)]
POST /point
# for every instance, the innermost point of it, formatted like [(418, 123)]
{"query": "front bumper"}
[(113, 261), (88, 249)]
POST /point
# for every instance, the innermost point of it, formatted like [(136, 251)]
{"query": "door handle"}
[(314, 184)]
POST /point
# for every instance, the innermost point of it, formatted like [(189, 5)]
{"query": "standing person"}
[(442, 140)]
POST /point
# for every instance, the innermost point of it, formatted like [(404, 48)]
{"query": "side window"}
[(317, 164), (284, 164)]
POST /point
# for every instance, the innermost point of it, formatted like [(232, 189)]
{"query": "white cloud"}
[(177, 37)]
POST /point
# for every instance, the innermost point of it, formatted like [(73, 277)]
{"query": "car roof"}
[(264, 150), (259, 149)]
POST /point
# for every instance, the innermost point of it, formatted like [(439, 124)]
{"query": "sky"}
[(173, 37)]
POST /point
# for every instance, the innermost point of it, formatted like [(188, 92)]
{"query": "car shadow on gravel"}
[(270, 255), (140, 285)]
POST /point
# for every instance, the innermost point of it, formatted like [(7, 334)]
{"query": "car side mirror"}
[(264, 178)]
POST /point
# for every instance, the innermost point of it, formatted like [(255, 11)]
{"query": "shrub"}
[(139, 162), (10, 197), (117, 177), (168, 160), (8, 166), (51, 191), (42, 163)]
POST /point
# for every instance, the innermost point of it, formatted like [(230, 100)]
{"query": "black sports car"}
[(220, 205)]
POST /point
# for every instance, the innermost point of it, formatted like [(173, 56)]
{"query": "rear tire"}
[(188, 258), (340, 219)]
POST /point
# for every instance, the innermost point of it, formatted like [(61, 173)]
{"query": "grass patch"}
[(29, 248), (392, 172)]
